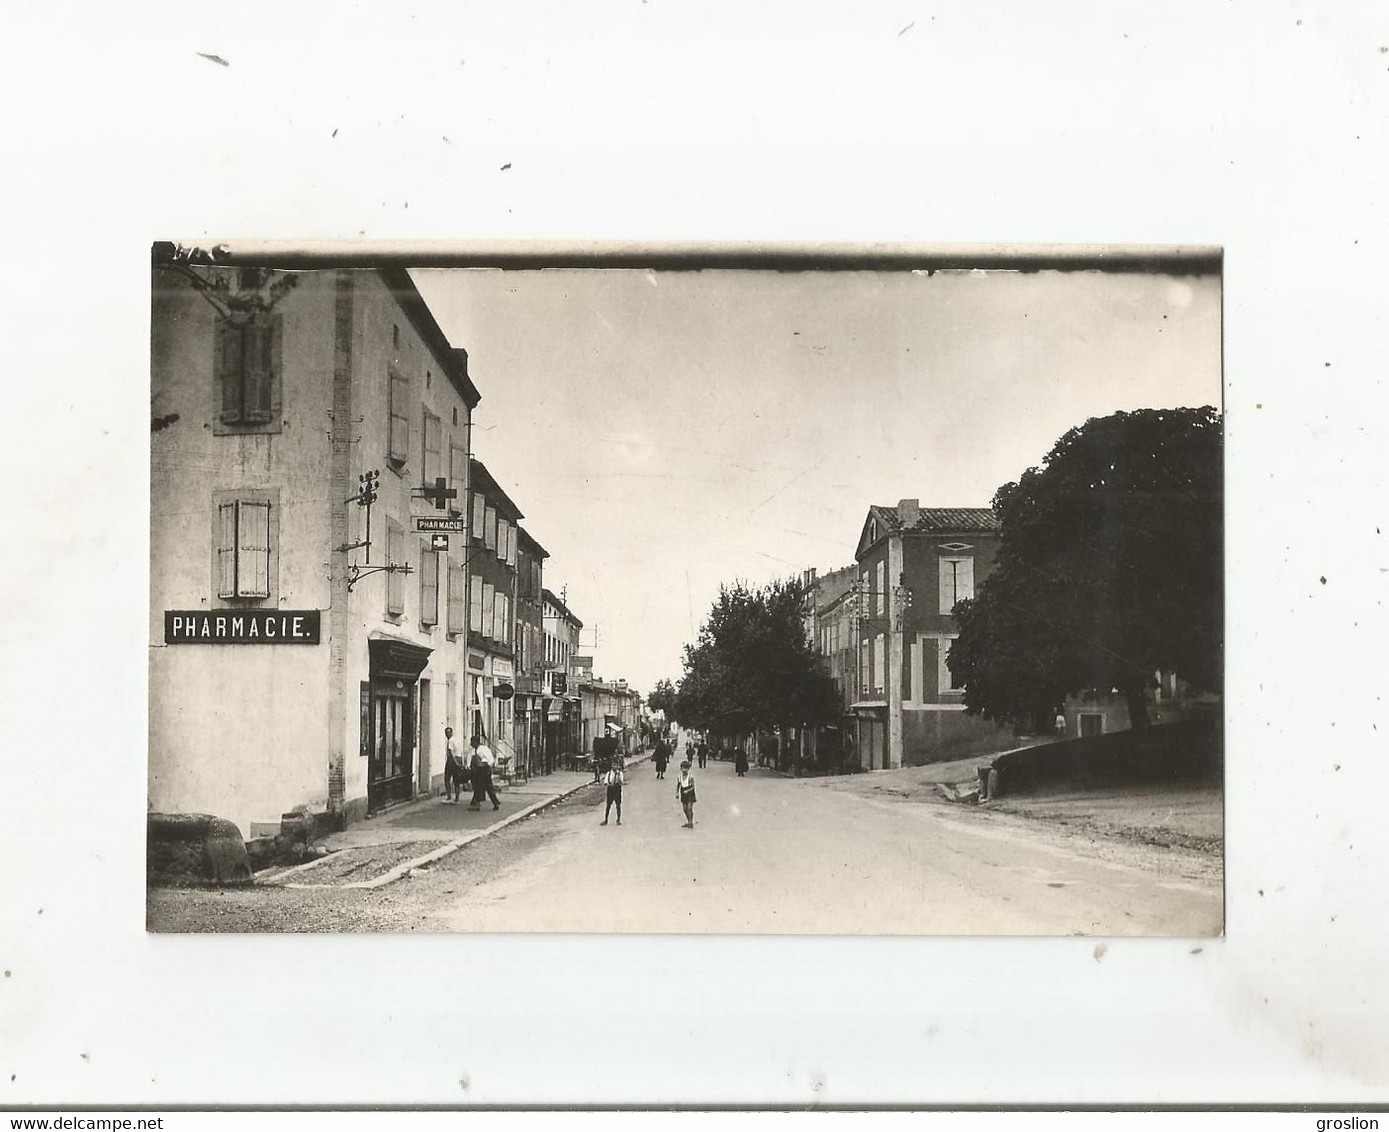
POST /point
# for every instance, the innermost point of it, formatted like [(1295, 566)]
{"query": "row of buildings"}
[(330, 561), (884, 626)]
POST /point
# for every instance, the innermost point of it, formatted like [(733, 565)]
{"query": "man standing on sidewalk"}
[(453, 769), (614, 779), (482, 775)]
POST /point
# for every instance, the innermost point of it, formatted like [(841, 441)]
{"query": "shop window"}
[(247, 365)]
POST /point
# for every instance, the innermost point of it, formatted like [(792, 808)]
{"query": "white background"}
[(1260, 127)]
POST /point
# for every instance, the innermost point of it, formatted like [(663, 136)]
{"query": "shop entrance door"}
[(391, 776), (393, 720)]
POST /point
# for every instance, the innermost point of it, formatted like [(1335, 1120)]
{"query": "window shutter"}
[(947, 585), (395, 582), (964, 580), (429, 584), (458, 476), (432, 454), (253, 549), (942, 668), (489, 610), (227, 364), (399, 439), (226, 550), (456, 583), (882, 588), (475, 603), (257, 345)]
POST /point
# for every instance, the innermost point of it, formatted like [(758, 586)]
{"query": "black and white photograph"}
[(821, 596), (724, 561)]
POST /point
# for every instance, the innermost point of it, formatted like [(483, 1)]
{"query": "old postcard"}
[(829, 591)]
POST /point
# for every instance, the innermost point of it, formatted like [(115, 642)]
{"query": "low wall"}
[(1178, 754)]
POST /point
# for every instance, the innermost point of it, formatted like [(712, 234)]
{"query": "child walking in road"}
[(685, 791), (614, 779)]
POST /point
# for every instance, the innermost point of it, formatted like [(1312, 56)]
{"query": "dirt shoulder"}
[(1190, 817)]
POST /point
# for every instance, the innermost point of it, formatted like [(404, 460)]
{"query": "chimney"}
[(909, 511)]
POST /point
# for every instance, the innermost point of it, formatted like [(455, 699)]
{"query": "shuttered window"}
[(956, 582), (475, 603), (433, 467), (880, 593), (489, 610), (398, 408), (429, 584), (879, 663), (246, 362), (395, 555), (479, 514), (458, 477), (489, 529), (457, 580), (243, 549), (945, 682), (499, 618)]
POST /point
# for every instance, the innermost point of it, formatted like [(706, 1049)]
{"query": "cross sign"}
[(440, 493)]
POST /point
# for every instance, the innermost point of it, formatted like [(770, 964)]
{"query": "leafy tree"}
[(1110, 568), (662, 698), (752, 668)]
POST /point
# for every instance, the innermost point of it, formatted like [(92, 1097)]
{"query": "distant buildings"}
[(884, 626)]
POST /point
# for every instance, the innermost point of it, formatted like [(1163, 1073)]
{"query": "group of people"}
[(477, 772)]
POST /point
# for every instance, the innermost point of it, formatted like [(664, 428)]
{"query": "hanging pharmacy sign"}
[(241, 627), (434, 524)]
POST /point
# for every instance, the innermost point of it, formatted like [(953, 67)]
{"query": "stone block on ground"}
[(195, 848)]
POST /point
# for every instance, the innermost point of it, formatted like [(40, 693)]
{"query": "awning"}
[(868, 707), (613, 728)]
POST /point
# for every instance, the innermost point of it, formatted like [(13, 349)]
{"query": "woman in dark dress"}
[(741, 762), (662, 758)]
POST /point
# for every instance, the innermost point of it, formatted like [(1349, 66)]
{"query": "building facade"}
[(914, 564), (560, 689), (492, 561), (308, 606), (830, 629), (530, 709)]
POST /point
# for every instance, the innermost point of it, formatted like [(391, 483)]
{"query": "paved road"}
[(770, 854)]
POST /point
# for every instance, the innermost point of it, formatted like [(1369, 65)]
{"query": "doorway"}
[(390, 778)]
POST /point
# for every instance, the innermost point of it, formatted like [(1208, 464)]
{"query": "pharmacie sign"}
[(235, 627)]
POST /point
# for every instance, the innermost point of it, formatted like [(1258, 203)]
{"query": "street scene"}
[(698, 598)]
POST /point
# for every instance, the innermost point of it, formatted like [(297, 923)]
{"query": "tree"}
[(752, 668), (1110, 568), (662, 698)]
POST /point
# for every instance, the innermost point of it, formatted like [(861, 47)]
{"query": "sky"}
[(668, 431)]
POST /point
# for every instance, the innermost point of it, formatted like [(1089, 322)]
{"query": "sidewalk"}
[(383, 848)]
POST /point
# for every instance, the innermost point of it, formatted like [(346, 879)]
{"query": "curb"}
[(398, 871)]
